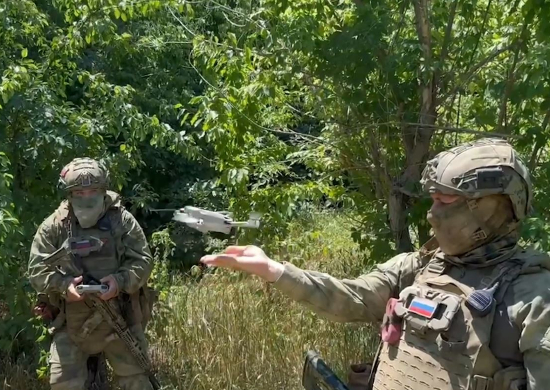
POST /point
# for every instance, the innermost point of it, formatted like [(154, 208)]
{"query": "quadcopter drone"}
[(213, 221)]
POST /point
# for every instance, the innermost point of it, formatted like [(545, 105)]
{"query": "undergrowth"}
[(226, 330)]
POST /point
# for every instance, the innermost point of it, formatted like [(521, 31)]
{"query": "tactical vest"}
[(80, 318), (444, 342)]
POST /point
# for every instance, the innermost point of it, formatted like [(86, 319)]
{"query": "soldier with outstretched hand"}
[(471, 309), (123, 263)]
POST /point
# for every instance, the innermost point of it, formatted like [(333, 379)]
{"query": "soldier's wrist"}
[(121, 282), (274, 271)]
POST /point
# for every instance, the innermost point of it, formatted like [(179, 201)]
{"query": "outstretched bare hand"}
[(250, 259)]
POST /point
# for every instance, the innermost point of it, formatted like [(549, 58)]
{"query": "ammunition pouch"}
[(510, 378)]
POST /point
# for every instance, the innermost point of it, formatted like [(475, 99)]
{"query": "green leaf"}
[(190, 11), (184, 119), (117, 13), (24, 53)]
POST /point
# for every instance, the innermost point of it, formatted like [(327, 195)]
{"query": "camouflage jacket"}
[(521, 329), (133, 257)]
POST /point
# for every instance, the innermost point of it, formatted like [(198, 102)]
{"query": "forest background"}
[(318, 113)]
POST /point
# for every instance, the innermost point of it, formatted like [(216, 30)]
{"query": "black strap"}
[(376, 361)]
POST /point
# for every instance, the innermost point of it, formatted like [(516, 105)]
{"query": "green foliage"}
[(273, 106), (15, 329), (344, 100), (75, 83)]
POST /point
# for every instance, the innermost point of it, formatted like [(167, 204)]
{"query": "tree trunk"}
[(416, 139), (397, 208)]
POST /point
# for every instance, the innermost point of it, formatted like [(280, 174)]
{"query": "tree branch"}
[(443, 55), (469, 74), (481, 31), (448, 32), (424, 37), (382, 175), (502, 125), (427, 108), (423, 28), (434, 128)]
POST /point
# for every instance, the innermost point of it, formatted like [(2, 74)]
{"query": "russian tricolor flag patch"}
[(82, 244), (423, 307)]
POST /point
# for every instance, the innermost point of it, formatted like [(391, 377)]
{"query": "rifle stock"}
[(318, 376), (63, 259)]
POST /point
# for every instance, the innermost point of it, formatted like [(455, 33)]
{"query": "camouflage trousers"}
[(68, 368)]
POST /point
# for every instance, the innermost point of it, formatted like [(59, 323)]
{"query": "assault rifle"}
[(120, 327), (318, 376), (67, 261)]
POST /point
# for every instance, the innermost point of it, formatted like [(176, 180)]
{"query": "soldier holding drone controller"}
[(90, 262)]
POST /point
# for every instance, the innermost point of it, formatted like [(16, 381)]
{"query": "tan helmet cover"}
[(488, 166), (83, 173)]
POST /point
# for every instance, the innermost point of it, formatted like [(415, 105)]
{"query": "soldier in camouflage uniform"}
[(471, 309), (124, 263)]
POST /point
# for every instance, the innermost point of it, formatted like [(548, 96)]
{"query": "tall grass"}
[(231, 331)]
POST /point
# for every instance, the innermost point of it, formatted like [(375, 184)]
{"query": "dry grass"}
[(229, 331), (244, 335)]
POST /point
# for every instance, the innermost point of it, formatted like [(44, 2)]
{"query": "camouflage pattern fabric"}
[(68, 362), (126, 255), (519, 337)]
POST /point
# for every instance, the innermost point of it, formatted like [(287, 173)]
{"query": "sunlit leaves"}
[(83, 78)]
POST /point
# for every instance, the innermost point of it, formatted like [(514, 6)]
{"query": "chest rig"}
[(81, 318), (100, 261), (444, 323)]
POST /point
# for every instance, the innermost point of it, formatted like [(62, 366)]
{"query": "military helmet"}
[(83, 173), (480, 168)]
